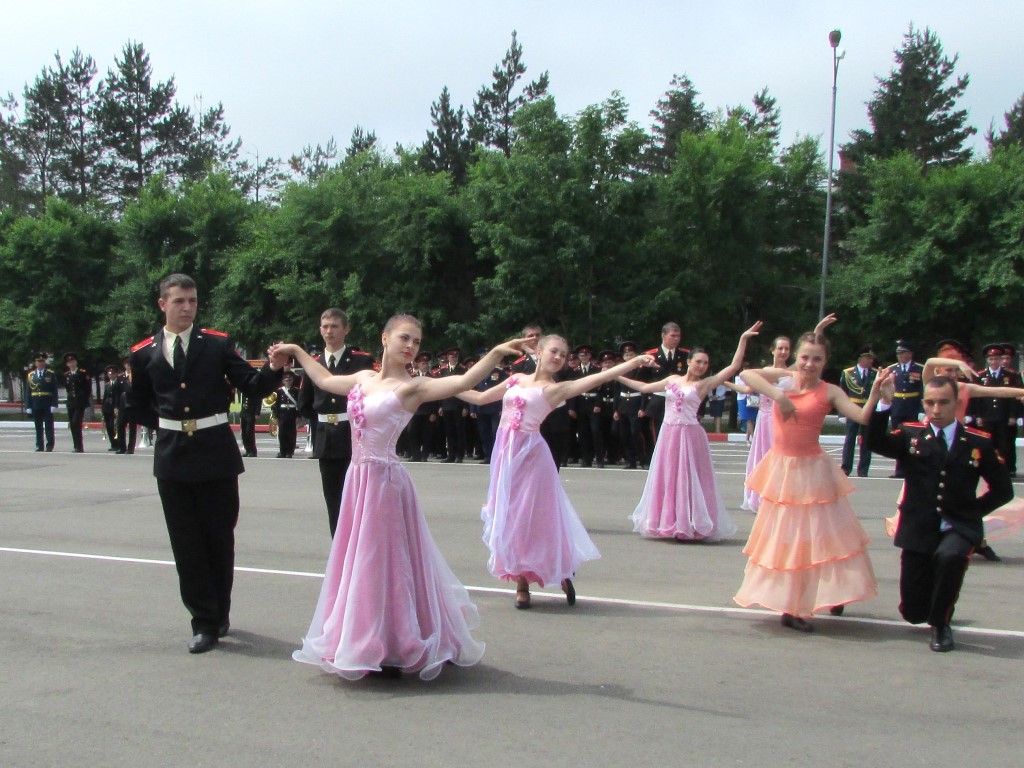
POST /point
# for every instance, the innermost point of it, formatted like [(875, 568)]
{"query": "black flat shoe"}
[(388, 673), (570, 591), (795, 622), (202, 642), (989, 554), (222, 630), (836, 610), (942, 639)]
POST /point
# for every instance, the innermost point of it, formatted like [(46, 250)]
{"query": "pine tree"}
[(914, 109), (361, 141), (494, 108), (447, 147), (1013, 133), (679, 112)]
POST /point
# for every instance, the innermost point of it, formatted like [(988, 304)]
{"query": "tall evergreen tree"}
[(914, 108), (447, 147), (142, 126), (1013, 133), (361, 141), (494, 107), (79, 155), (679, 112), (313, 162)]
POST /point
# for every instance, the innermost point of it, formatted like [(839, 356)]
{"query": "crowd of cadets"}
[(611, 425)]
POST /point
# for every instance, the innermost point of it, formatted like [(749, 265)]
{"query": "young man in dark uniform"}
[(110, 406), (995, 414), (940, 514), (42, 401), (251, 407), (332, 440), (856, 382), (453, 411), (669, 359), (181, 385), (908, 377), (78, 386), (285, 408)]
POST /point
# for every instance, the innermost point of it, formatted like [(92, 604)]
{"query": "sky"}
[(297, 74)]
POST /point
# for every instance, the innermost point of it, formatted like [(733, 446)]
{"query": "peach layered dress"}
[(807, 550)]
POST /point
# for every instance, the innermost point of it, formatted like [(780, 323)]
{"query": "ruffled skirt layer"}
[(680, 499), (760, 443), (807, 550), (388, 597)]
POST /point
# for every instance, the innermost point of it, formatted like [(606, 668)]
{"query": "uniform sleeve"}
[(881, 440), (1000, 487)]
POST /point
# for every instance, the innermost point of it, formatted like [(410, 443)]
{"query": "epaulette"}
[(652, 351), (519, 360), (978, 432), (360, 352), (914, 424), (684, 349), (215, 333), (143, 343)]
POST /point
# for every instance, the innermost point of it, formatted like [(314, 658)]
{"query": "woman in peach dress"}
[(807, 550)]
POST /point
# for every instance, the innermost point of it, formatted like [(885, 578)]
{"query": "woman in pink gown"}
[(680, 499), (762, 439), (807, 550), (389, 603), (531, 529)]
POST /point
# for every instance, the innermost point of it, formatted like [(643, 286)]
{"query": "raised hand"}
[(825, 322), (752, 331)]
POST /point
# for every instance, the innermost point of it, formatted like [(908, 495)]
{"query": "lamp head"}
[(834, 37)]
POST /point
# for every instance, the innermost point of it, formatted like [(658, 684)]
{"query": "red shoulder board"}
[(978, 432), (360, 352), (684, 349), (914, 424), (215, 333), (518, 360), (652, 351), (141, 344)]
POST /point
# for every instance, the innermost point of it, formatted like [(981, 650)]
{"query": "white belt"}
[(630, 394), (659, 394), (190, 426), (331, 418)]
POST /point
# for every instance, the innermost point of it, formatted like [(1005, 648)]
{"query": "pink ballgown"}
[(530, 527), (388, 597), (680, 499)]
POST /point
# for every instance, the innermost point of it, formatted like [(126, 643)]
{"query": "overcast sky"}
[(297, 73)]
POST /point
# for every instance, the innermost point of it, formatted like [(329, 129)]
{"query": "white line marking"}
[(682, 607)]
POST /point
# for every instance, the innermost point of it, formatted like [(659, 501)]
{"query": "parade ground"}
[(654, 665)]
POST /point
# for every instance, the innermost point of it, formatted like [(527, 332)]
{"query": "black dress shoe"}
[(862, 474), (836, 610), (570, 591), (896, 476), (222, 630), (989, 554), (202, 642), (388, 673), (942, 639), (795, 622)]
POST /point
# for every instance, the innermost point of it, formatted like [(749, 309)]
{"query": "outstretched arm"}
[(337, 384), (977, 390), (732, 368), (945, 362), (423, 390), (475, 397), (647, 387), (825, 322), (564, 390)]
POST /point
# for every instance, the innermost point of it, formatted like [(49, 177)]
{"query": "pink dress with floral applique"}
[(530, 527), (388, 597), (680, 499)]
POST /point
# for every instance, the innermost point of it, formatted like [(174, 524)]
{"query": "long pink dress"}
[(530, 527), (680, 499), (760, 443), (807, 550), (388, 597)]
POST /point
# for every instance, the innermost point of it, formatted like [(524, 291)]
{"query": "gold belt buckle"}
[(332, 418), (188, 426)]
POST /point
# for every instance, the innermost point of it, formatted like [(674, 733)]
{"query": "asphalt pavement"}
[(654, 665)]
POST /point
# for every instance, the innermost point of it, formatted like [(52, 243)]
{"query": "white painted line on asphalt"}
[(682, 607)]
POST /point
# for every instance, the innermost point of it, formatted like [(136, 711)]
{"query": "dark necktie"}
[(943, 448), (332, 364), (178, 356)]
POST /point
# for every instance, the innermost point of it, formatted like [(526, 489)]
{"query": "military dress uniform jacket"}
[(663, 368), (941, 485), (857, 389), (42, 390), (906, 406), (212, 368), (331, 441), (990, 411), (77, 384)]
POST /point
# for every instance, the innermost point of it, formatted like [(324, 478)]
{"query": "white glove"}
[(28, 411), (53, 409)]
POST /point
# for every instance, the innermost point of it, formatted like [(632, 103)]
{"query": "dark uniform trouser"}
[(455, 434), (287, 431), (110, 424), (43, 419), (201, 520), (126, 432), (75, 418), (853, 429), (420, 428), (332, 478), (249, 433), (930, 583)]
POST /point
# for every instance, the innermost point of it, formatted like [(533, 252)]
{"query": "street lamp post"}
[(833, 39)]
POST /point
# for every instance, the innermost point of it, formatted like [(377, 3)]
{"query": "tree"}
[(142, 127), (80, 151), (447, 148), (313, 162), (914, 108), (361, 141), (208, 147), (678, 112), (1013, 133), (764, 119), (494, 108)]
